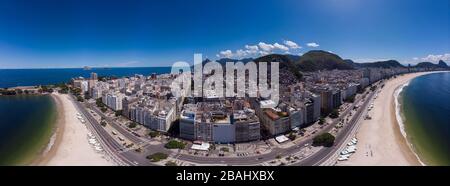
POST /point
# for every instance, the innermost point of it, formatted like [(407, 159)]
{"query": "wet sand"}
[(71, 146), (380, 140)]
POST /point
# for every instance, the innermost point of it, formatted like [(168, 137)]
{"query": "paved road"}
[(314, 159), (117, 127), (113, 148), (134, 158), (325, 153)]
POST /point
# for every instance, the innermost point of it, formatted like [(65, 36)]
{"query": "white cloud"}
[(436, 58), (251, 47), (280, 47), (240, 53), (292, 44), (226, 54), (259, 49), (313, 45), (266, 47), (415, 58), (251, 52), (263, 53)]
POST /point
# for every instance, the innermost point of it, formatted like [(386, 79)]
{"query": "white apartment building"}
[(113, 100)]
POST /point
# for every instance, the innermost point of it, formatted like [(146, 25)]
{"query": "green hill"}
[(321, 60), (291, 66), (285, 63), (381, 64)]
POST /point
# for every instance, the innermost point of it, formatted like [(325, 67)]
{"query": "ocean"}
[(26, 126), (27, 121), (33, 77), (425, 108)]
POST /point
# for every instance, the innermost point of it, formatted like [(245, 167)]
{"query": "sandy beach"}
[(380, 140), (70, 144)]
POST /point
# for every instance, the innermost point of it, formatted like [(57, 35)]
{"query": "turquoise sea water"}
[(26, 125), (27, 121), (426, 113)]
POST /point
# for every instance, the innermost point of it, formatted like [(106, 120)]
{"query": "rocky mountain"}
[(442, 64)]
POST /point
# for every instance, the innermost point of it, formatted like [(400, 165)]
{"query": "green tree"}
[(132, 125), (157, 156), (360, 90), (171, 163), (292, 136), (99, 102), (103, 123), (321, 120), (80, 99), (153, 134), (103, 109), (225, 149), (47, 88), (350, 99), (334, 113), (75, 91), (7, 92), (325, 139), (64, 89), (43, 88), (174, 144), (118, 113)]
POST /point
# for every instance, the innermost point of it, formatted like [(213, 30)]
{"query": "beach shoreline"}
[(70, 146), (381, 140), (58, 131), (400, 121)]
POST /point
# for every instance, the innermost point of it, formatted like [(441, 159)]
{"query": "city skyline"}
[(258, 83), (54, 34)]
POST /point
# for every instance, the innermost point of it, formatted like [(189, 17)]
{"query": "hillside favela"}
[(211, 83)]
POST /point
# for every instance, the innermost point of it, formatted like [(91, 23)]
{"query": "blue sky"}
[(65, 33)]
